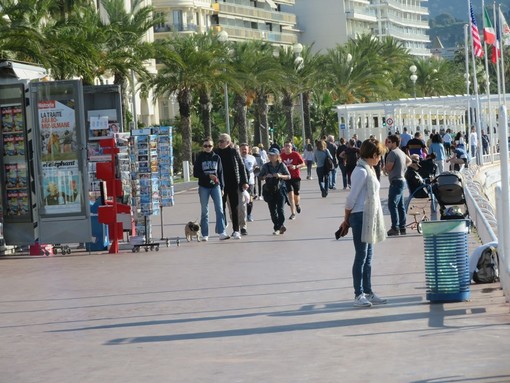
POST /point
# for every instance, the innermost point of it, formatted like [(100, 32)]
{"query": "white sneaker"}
[(250, 218), (375, 300), (205, 239), (224, 236), (236, 235), (276, 232), (362, 301)]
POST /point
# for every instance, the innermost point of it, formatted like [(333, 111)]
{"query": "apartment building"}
[(241, 19), (326, 23)]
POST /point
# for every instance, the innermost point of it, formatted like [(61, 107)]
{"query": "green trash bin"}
[(446, 260)]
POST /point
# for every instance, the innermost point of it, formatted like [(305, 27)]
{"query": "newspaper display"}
[(16, 186), (60, 177)]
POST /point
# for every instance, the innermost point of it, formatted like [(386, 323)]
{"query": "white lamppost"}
[(223, 38), (299, 64), (413, 77)]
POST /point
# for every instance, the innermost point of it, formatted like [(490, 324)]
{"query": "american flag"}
[(477, 45)]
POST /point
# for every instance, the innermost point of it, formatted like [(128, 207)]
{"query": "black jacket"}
[(233, 166)]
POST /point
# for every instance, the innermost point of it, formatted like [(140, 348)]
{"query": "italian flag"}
[(489, 35)]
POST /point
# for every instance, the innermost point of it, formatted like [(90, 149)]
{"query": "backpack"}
[(487, 268)]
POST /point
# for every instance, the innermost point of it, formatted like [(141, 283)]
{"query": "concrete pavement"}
[(261, 309)]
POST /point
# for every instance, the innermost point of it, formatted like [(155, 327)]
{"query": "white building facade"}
[(326, 23)]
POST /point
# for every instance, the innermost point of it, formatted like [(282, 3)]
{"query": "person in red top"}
[(294, 162)]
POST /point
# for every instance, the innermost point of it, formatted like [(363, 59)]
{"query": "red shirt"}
[(294, 158)]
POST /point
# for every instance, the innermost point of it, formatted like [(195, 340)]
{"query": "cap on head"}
[(274, 152)]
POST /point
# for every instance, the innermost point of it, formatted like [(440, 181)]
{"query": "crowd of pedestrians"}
[(236, 175)]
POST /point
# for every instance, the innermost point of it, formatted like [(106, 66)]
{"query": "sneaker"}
[(236, 235), (224, 236), (362, 301), (292, 216), (324, 194), (403, 232), (283, 229), (205, 239), (244, 232), (375, 300), (392, 232), (276, 232), (298, 209), (250, 218)]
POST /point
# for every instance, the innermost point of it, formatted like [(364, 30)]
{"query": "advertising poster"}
[(61, 178)]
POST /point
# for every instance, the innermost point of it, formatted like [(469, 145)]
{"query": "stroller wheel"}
[(418, 227)]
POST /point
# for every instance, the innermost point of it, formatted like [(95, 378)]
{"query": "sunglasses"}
[(207, 146), (221, 141)]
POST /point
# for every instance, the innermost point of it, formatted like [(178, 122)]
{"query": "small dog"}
[(192, 229)]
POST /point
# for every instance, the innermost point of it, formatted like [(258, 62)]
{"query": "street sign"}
[(342, 126), (389, 121)]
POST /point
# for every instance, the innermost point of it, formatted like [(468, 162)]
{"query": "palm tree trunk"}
[(306, 109), (288, 110), (205, 109), (261, 108), (184, 100), (240, 111), (120, 79)]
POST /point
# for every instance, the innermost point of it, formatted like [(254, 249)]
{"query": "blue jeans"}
[(215, 194), (332, 178), (362, 266), (396, 204)]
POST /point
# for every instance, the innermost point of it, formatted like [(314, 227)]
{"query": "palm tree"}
[(182, 72), (124, 49), (254, 70), (438, 77)]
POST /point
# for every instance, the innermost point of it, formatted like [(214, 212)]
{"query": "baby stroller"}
[(448, 190), (419, 200)]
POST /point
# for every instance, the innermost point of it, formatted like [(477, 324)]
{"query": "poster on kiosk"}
[(15, 162), (61, 170)]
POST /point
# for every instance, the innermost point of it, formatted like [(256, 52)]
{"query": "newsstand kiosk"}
[(17, 177)]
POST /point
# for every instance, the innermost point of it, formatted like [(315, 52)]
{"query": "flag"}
[(477, 45), (505, 29), (496, 52), (489, 35)]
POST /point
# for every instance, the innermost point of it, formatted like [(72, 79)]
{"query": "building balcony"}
[(285, 2), (255, 14), (403, 22), (238, 34), (359, 13), (170, 28), (406, 8), (406, 36), (193, 4)]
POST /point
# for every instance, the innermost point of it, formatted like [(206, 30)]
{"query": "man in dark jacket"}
[(235, 177), (332, 150)]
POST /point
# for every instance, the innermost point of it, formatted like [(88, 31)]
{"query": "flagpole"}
[(466, 52), (487, 82), (498, 70), (475, 87), (502, 47)]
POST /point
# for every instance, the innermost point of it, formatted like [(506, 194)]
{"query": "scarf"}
[(373, 230)]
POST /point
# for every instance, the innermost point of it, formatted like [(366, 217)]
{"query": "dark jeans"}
[(323, 180), (232, 195), (396, 204), (362, 266), (275, 205), (343, 169), (349, 169)]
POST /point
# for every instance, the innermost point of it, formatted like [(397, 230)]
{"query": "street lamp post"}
[(413, 77), (223, 38), (299, 64)]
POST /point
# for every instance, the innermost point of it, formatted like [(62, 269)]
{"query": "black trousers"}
[(232, 196)]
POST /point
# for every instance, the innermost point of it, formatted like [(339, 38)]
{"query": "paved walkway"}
[(261, 309)]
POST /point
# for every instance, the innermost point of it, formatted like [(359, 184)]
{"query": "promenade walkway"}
[(260, 309)]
